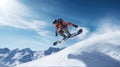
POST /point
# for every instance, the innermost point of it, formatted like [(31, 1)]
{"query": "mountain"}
[(101, 50), (52, 50), (14, 57), (2, 64), (4, 50)]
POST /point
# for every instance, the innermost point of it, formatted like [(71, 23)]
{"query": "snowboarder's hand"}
[(56, 33), (75, 26)]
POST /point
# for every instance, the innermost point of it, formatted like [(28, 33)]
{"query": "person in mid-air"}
[(62, 28)]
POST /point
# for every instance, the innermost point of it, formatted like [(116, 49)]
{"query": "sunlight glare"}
[(4, 3)]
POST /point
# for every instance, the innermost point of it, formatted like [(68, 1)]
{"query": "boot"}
[(64, 37), (68, 34)]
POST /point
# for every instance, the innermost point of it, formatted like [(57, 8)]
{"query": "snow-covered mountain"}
[(52, 50), (14, 57), (3, 65), (102, 50)]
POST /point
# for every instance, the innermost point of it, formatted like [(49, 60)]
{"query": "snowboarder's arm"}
[(70, 24)]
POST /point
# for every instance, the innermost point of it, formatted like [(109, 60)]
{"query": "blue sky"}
[(28, 23)]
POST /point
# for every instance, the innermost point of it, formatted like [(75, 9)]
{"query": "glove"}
[(56, 34), (75, 26)]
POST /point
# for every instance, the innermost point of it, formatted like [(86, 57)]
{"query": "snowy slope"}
[(96, 51)]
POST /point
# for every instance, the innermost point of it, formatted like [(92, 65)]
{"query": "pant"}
[(62, 31)]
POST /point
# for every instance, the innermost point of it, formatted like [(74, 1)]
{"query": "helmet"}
[(60, 20), (55, 21)]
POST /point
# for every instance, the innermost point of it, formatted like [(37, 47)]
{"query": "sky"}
[(28, 23)]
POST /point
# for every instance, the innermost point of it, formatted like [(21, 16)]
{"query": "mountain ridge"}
[(16, 56)]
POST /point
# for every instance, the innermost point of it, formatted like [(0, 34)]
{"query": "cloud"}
[(43, 33), (16, 15), (13, 13), (107, 25), (108, 28), (37, 25)]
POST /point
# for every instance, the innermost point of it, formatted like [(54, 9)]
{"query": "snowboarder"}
[(62, 28)]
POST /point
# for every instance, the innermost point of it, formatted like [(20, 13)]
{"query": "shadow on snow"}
[(95, 59)]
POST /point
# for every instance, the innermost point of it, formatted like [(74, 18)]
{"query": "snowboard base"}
[(72, 35)]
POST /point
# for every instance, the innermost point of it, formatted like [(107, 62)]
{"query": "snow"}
[(1, 54), (94, 51), (91, 47), (38, 54), (17, 56), (15, 63)]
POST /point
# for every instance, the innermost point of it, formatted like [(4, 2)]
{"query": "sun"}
[(5, 6), (4, 3), (9, 8)]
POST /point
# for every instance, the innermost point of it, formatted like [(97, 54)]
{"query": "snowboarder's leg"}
[(61, 33), (67, 32)]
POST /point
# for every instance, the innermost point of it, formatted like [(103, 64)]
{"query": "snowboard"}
[(72, 35)]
